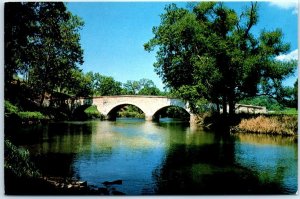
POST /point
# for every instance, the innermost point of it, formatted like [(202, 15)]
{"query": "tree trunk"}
[(231, 102), (218, 107), (224, 104), (42, 99), (231, 107)]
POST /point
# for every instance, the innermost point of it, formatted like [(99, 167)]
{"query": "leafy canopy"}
[(209, 52), (42, 43)]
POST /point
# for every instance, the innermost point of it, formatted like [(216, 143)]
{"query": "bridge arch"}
[(112, 113), (160, 112)]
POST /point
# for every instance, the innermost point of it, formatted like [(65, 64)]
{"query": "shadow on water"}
[(53, 147), (209, 169)]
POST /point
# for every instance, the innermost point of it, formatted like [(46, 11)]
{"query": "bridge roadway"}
[(150, 105)]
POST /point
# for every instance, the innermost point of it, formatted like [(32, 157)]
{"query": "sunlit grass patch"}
[(275, 124), (288, 111), (92, 112)]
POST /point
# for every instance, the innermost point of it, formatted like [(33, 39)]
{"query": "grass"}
[(288, 111), (272, 124), (27, 115), (10, 108)]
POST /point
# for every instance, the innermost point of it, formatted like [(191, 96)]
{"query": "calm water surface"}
[(163, 158)]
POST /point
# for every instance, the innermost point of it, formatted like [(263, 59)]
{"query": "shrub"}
[(31, 115), (17, 161), (130, 111), (13, 114), (10, 108), (92, 112)]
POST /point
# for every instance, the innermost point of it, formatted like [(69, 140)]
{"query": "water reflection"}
[(163, 158), (262, 155)]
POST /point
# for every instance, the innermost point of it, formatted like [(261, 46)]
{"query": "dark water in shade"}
[(163, 158)]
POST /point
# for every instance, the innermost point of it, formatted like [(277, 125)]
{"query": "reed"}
[(273, 124)]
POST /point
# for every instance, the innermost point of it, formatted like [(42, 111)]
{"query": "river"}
[(168, 157)]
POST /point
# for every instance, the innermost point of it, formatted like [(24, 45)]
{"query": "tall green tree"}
[(209, 53), (104, 86), (18, 26), (295, 94), (142, 87), (131, 87), (109, 86), (51, 39), (80, 85)]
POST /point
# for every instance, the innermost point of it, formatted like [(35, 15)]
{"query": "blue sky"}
[(114, 34)]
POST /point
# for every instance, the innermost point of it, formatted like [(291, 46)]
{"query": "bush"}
[(31, 115), (9, 108), (92, 112), (13, 114), (131, 111), (17, 161), (86, 112)]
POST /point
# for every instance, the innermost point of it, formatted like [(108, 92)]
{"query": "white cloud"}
[(287, 57), (289, 4)]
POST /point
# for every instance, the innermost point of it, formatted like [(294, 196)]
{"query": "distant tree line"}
[(100, 85)]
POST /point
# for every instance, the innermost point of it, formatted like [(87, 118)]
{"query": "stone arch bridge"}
[(150, 105)]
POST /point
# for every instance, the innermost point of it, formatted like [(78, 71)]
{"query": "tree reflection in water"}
[(210, 168)]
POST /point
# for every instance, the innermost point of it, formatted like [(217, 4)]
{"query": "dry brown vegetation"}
[(274, 124)]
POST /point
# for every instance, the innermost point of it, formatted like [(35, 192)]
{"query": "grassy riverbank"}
[(16, 115), (270, 124)]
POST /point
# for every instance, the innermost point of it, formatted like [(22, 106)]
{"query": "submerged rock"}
[(107, 183)]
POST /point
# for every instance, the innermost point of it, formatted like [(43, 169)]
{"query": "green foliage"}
[(295, 94), (31, 115), (80, 85), (131, 111), (150, 91), (17, 160), (289, 95), (197, 103), (131, 87), (141, 87), (177, 112), (14, 113), (209, 52), (92, 112), (103, 85), (287, 111), (9, 108), (42, 43), (86, 112)]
